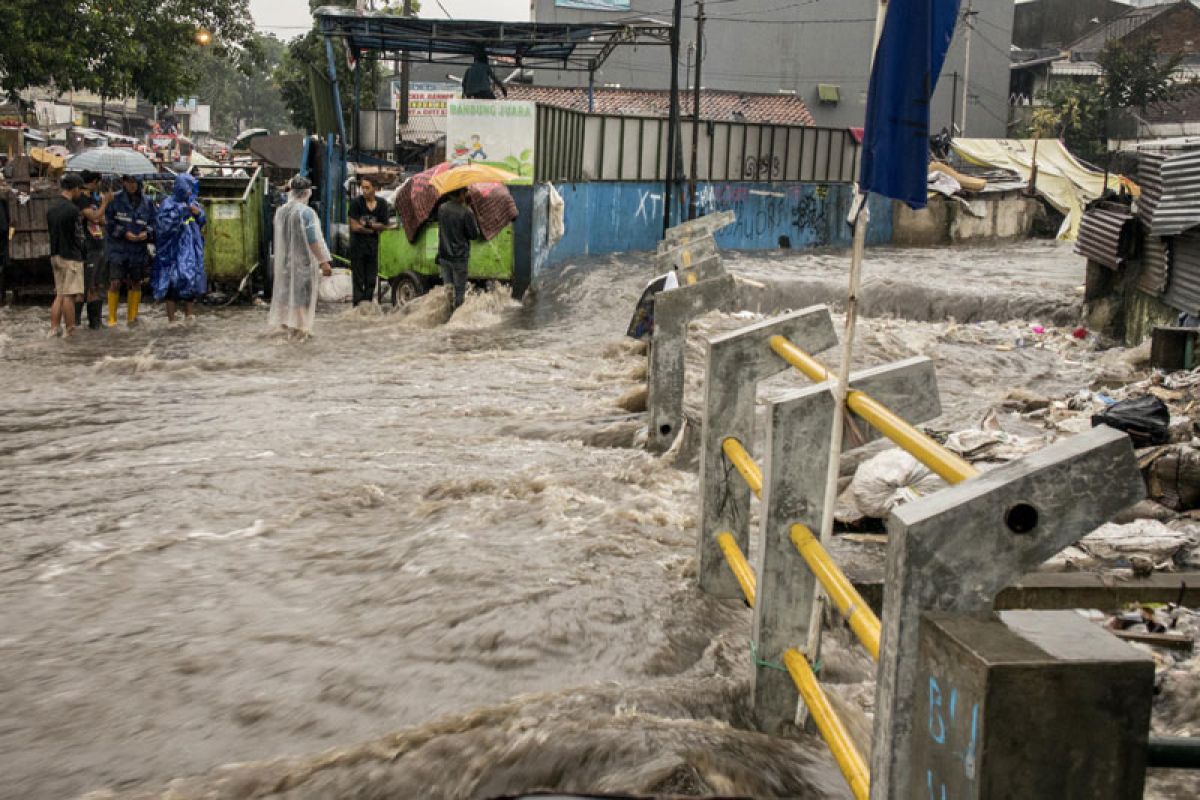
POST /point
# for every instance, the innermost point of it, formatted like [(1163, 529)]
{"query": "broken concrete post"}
[(683, 256), (699, 227), (956, 549), (736, 362), (795, 457), (1040, 705)]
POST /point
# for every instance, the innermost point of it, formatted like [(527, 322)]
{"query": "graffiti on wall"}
[(803, 212)]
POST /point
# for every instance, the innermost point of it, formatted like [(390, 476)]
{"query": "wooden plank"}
[(1171, 641)]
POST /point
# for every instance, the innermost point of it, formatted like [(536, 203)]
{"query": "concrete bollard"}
[(736, 362), (673, 311), (956, 549), (795, 458)]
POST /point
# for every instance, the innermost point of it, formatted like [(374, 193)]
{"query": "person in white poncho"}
[(300, 258)]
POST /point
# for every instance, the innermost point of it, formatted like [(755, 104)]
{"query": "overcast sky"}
[(288, 18)]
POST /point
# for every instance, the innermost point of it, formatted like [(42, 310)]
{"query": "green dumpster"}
[(234, 236), (411, 267)]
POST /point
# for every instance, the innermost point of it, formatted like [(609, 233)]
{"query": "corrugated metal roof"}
[(1170, 183), (776, 109), (1183, 291), (1156, 259), (1106, 234)]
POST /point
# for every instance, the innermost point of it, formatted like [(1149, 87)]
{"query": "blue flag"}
[(895, 158)]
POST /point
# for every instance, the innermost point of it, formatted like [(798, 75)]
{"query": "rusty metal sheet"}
[(1107, 234), (1170, 184), (1155, 263)]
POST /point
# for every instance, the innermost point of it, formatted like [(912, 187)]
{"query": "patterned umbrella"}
[(112, 161)]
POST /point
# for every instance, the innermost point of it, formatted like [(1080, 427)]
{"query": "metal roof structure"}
[(1170, 201), (577, 47)]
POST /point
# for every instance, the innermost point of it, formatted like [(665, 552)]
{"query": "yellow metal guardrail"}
[(950, 467), (849, 760), (854, 609), (849, 602), (744, 464), (738, 565)]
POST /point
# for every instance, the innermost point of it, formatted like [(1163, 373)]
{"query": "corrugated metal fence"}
[(573, 146)]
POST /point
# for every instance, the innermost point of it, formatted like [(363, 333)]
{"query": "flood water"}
[(409, 558)]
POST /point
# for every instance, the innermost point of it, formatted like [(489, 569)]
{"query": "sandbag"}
[(890, 479), (1147, 420), (1173, 477)]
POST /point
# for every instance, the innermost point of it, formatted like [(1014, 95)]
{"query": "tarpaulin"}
[(908, 60), (1067, 183)]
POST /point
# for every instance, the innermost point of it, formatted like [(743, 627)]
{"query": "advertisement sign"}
[(594, 5), (426, 99), (499, 133)]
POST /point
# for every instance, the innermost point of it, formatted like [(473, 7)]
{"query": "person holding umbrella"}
[(457, 228), (130, 232)]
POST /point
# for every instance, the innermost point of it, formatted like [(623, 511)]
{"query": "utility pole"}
[(404, 72), (969, 22), (696, 110), (673, 120)]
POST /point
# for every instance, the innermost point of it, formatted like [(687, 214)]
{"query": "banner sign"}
[(499, 133)]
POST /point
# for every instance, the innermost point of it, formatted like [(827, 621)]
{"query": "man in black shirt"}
[(456, 228), (368, 216), (63, 223), (92, 206)]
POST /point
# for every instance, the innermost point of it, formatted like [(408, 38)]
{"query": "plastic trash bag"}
[(1147, 420), (890, 479), (337, 288)]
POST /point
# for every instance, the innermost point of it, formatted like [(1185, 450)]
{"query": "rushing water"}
[(411, 558)]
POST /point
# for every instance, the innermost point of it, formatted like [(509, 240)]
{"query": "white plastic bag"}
[(337, 288), (890, 479)]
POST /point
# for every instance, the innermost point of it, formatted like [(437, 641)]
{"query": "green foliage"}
[(292, 75), (240, 87), (1135, 76), (114, 47), (1078, 117)]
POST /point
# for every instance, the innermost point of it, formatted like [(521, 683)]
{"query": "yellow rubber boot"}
[(114, 299), (135, 297)]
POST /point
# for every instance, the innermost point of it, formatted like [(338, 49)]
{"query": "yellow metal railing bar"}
[(941, 461), (738, 565), (862, 620), (745, 465), (849, 760)]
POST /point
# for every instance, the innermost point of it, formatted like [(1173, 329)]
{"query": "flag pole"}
[(860, 218)]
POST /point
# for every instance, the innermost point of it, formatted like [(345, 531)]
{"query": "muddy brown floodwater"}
[(409, 558)]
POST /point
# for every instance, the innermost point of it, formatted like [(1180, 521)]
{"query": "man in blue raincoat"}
[(130, 218), (178, 274)]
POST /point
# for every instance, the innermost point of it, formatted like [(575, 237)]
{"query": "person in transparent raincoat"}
[(301, 257)]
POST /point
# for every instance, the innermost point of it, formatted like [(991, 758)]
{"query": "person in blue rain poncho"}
[(178, 274)]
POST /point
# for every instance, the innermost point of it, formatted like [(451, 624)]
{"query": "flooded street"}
[(430, 548)]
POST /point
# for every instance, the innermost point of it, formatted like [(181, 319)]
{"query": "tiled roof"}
[(1184, 108), (1120, 27), (721, 106)]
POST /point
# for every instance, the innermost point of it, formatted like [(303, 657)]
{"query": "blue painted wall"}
[(614, 217)]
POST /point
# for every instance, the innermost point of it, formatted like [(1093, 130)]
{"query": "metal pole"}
[(591, 91), (405, 73), (954, 104), (673, 119), (861, 217), (969, 21), (696, 110), (356, 121)]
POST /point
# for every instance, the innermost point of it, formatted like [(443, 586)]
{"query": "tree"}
[(142, 47), (239, 86), (308, 52), (1076, 115), (1135, 76)]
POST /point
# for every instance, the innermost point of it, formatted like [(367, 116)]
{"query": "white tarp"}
[(1066, 182)]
